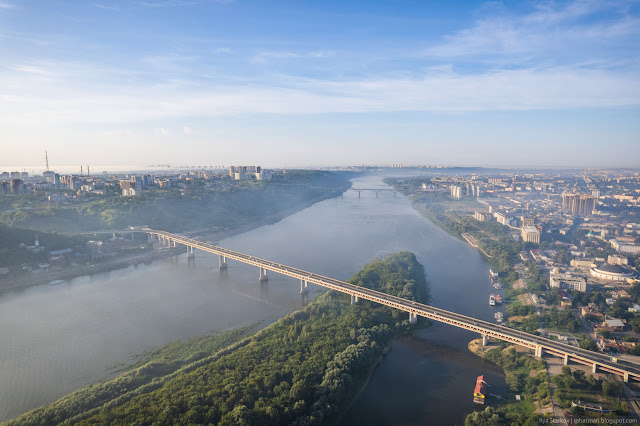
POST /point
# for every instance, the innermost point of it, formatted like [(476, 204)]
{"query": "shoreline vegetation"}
[(306, 368)]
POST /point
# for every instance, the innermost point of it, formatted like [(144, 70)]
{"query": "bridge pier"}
[(595, 368), (263, 275), (538, 352), (485, 340), (566, 359), (625, 377), (191, 252), (413, 318), (304, 286), (354, 299), (223, 262)]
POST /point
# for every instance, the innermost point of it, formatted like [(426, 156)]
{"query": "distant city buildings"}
[(579, 204), (530, 234), (624, 248), (131, 187), (248, 172), (527, 221), (612, 272), (456, 192), (482, 217), (567, 282)]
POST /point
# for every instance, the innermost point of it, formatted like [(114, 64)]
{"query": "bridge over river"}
[(487, 330)]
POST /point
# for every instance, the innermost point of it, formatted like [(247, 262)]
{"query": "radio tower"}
[(46, 158)]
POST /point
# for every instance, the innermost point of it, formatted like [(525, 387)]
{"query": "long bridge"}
[(486, 329)]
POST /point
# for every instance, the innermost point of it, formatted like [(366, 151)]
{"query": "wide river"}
[(56, 339)]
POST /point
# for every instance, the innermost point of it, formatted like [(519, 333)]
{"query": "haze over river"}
[(56, 339)]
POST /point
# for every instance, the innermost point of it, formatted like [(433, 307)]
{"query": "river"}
[(56, 339)]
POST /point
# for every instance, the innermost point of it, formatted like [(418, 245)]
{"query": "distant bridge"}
[(486, 329), (358, 190)]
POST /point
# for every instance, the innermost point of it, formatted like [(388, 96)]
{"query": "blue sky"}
[(309, 84)]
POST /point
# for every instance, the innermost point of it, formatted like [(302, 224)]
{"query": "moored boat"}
[(492, 300), (480, 391), (498, 299)]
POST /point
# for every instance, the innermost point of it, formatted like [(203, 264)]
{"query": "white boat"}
[(492, 300), (56, 282)]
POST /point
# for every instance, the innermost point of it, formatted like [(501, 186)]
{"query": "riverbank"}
[(307, 366), (32, 280), (8, 285)]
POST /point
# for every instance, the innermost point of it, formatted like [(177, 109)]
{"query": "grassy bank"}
[(304, 369)]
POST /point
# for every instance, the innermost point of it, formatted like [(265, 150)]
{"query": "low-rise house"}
[(613, 324), (614, 345), (591, 309)]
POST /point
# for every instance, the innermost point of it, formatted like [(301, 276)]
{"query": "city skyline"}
[(550, 84)]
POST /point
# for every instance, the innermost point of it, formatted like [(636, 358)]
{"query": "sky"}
[(310, 84)]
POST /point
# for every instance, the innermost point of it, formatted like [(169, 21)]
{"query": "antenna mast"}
[(46, 158)]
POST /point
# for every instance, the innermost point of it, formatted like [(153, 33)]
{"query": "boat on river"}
[(480, 391), (492, 300), (498, 299)]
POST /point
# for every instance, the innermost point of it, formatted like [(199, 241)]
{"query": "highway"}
[(486, 329)]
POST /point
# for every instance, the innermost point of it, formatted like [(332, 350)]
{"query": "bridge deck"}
[(479, 326)]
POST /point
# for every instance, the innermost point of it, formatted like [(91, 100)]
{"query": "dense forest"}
[(304, 369)]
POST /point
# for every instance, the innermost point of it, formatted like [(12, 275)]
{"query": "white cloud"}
[(550, 26), (267, 55), (178, 3), (114, 7), (31, 104), (5, 5), (30, 69), (188, 131)]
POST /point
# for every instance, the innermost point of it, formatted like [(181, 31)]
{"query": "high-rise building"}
[(580, 204), (527, 221), (17, 186), (456, 191), (530, 234)]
